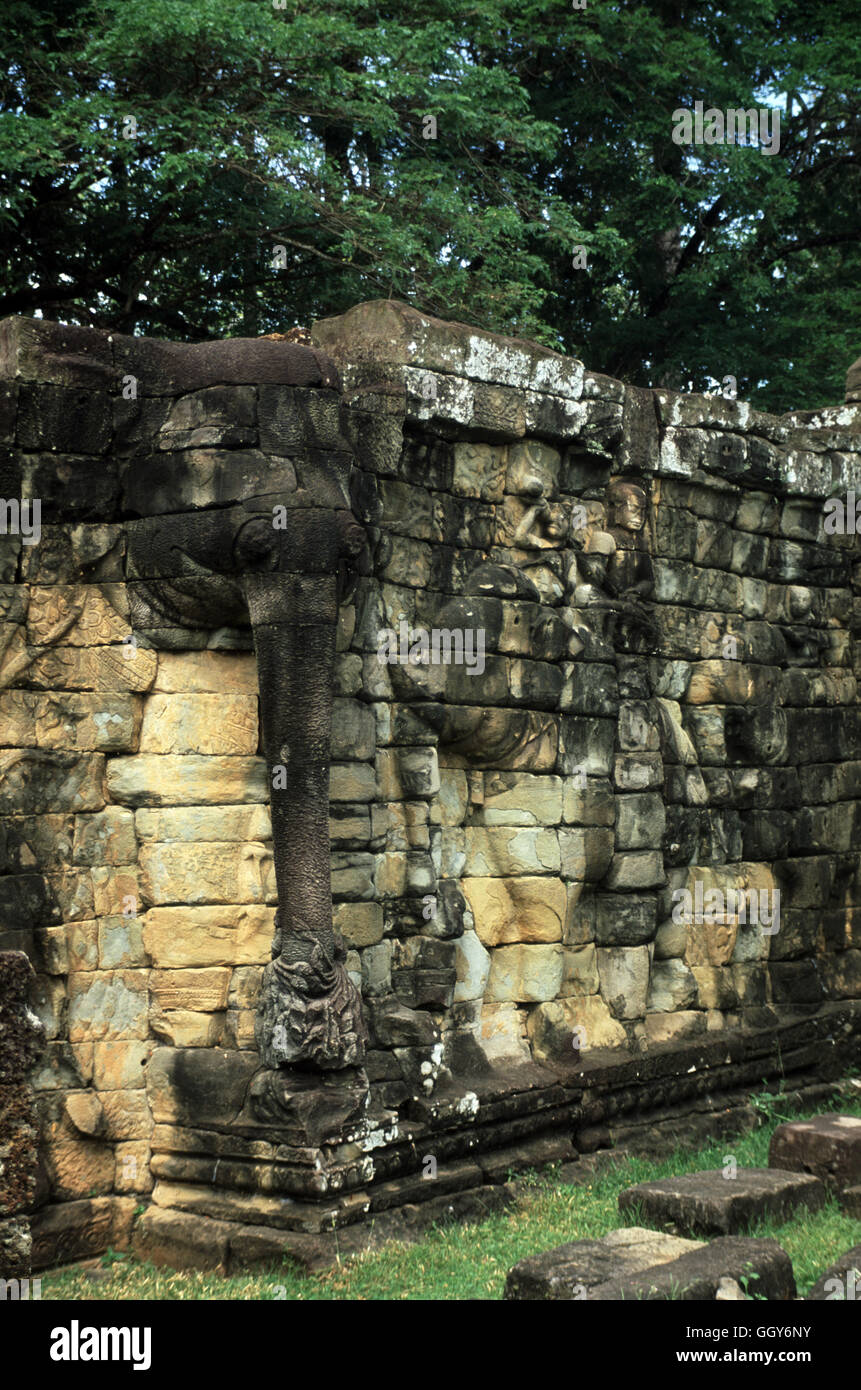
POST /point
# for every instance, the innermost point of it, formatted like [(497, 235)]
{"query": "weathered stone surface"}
[(709, 1203), (189, 673), (199, 724), (106, 1006), (196, 873), (712, 1272), (850, 1200), (624, 975), (16, 1248), (671, 986), (505, 851), (501, 1034), (177, 937), (77, 1230), (170, 780), (576, 1271), (564, 1029), (472, 965), (181, 1240), (507, 910), (529, 974), (828, 1146)]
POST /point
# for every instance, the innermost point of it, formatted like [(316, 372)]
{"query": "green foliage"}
[(259, 127)]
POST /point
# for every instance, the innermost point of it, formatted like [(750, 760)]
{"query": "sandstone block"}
[(403, 773), (472, 967), (708, 1203), (527, 974), (202, 990), (585, 852), (199, 723), (577, 1270), (190, 673), (167, 780), (126, 1114), (352, 782), (120, 943), (77, 1167), (233, 934), (204, 823), (500, 1034), (640, 821), (672, 986), (520, 798), (186, 1028), (360, 924), (120, 1066), (508, 910), (590, 805), (33, 782), (133, 1166), (828, 1146), (116, 892), (108, 837), (624, 975), (506, 851), (637, 869), (107, 1005), (676, 1027), (92, 668), (580, 971), (200, 873)]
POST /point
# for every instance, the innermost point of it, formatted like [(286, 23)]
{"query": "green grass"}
[(471, 1261)]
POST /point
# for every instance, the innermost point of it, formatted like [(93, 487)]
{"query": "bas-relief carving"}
[(609, 581), (612, 573), (281, 562)]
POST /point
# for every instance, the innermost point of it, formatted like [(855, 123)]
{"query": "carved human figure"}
[(612, 574)]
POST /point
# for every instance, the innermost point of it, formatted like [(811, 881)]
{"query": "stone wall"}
[(666, 701)]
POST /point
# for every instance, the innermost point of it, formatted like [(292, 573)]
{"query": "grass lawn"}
[(471, 1261)]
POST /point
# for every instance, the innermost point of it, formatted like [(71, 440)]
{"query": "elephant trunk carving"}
[(309, 1011), (288, 578)]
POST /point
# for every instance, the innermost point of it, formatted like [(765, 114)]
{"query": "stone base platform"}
[(251, 1165)]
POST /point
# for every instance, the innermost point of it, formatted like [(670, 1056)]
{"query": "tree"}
[(193, 168)]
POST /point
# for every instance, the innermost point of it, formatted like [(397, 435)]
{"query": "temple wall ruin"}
[(662, 700)]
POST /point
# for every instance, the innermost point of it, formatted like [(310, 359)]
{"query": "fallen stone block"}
[(730, 1267), (636, 1264), (575, 1271), (841, 1281), (850, 1201), (828, 1146), (708, 1203)]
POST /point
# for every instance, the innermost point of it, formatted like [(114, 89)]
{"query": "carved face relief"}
[(627, 505)]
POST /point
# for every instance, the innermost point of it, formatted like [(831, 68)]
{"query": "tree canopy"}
[(196, 168)]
